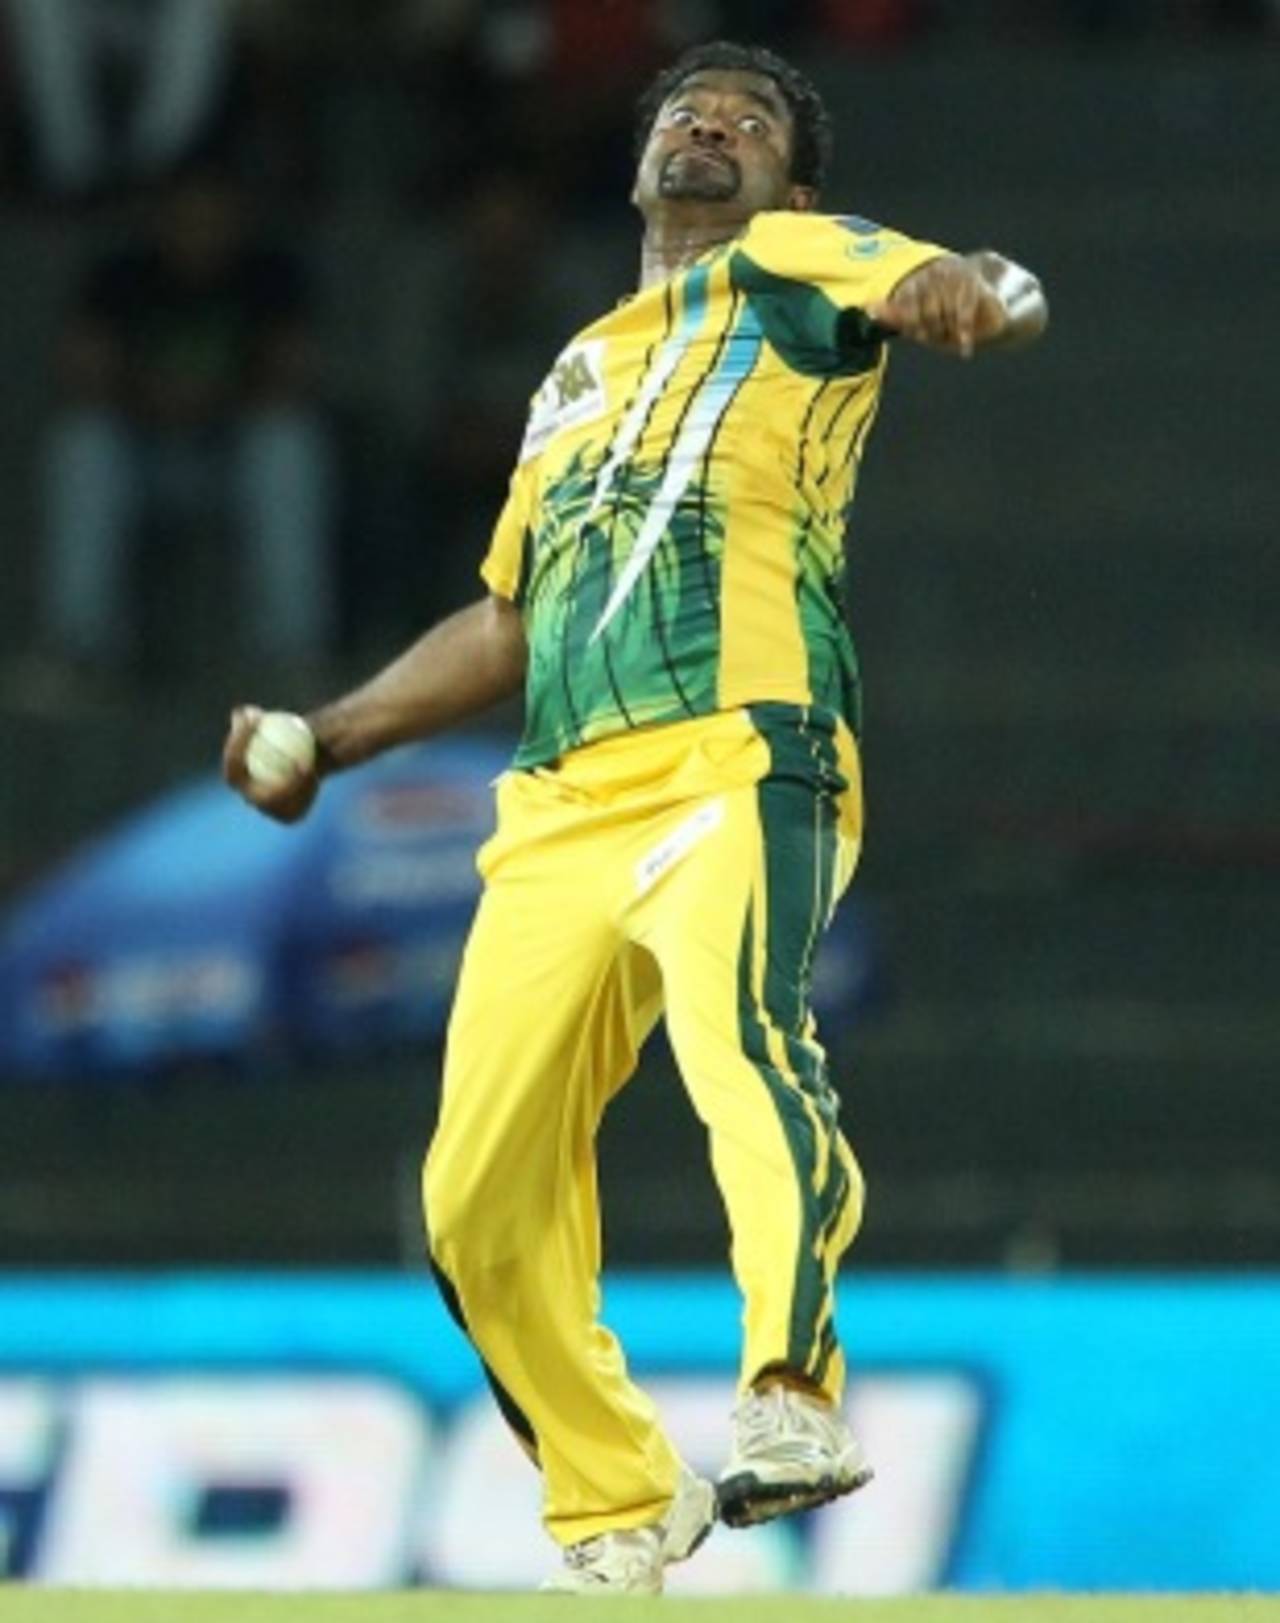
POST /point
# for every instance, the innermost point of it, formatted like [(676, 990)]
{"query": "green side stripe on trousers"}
[(809, 1284), (826, 1352), (797, 823), (799, 815)]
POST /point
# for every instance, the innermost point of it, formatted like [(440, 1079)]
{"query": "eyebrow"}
[(760, 97)]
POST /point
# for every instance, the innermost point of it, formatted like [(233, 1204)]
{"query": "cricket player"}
[(684, 808)]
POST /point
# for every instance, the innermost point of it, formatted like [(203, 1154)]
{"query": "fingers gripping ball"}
[(282, 748)]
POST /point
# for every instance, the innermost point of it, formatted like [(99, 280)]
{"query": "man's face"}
[(723, 138)]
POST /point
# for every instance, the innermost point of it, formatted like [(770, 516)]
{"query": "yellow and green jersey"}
[(674, 533)]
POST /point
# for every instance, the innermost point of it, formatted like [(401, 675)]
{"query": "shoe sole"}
[(551, 1587), (746, 1501)]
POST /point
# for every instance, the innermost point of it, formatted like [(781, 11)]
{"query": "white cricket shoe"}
[(631, 1561), (790, 1452)]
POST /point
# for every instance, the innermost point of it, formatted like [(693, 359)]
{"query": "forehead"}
[(754, 87)]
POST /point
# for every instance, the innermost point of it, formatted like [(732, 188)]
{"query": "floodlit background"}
[(277, 279)]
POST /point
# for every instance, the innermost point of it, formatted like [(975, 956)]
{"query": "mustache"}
[(722, 159)]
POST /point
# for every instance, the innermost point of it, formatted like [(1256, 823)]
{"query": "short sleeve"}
[(504, 567), (812, 276)]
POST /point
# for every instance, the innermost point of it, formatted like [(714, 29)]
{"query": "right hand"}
[(946, 304), (285, 802)]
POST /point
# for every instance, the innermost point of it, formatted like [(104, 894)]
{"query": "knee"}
[(444, 1207), (476, 1219), (457, 1216)]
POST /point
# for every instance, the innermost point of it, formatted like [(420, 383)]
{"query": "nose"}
[(711, 127)]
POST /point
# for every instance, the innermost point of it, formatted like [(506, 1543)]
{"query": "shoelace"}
[(757, 1414), (754, 1416), (583, 1558), (582, 1555)]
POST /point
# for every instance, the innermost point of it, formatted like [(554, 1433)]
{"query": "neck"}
[(675, 239)]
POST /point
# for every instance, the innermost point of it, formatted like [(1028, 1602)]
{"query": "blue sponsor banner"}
[(200, 929), (1078, 1433)]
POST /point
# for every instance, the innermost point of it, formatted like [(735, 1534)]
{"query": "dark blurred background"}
[(276, 281)]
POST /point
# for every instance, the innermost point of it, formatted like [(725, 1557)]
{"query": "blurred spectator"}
[(872, 23), (555, 80), (774, 22), (361, 26), (188, 372), (591, 42), (1246, 16), (496, 322), (510, 283), (117, 91)]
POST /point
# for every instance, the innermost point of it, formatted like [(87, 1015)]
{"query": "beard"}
[(701, 176)]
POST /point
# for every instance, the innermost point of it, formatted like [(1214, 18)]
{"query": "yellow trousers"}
[(687, 869)]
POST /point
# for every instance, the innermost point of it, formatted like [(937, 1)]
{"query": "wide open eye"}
[(682, 117), (751, 124)]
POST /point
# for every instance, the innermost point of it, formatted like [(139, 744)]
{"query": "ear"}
[(802, 199)]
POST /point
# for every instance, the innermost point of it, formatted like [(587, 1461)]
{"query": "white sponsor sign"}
[(286, 1482), (144, 1458)]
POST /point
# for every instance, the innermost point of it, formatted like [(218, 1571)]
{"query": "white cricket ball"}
[(282, 748)]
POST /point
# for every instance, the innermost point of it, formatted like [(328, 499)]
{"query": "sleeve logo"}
[(870, 242)]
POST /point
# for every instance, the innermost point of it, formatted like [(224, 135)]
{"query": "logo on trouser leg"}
[(677, 844)]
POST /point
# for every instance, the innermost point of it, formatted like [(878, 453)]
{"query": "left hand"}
[(287, 802), (947, 304)]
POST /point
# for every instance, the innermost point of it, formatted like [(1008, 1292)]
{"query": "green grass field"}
[(75, 1606)]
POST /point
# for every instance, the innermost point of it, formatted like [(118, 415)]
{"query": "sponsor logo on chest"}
[(573, 394)]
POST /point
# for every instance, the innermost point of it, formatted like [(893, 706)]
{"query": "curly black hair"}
[(812, 146)]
